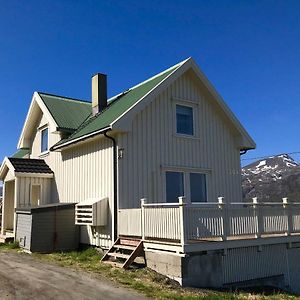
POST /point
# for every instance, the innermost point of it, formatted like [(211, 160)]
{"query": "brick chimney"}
[(99, 92)]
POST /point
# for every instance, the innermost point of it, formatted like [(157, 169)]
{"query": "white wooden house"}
[(159, 162)]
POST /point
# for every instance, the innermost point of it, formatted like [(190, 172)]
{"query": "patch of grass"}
[(146, 281), (9, 246)]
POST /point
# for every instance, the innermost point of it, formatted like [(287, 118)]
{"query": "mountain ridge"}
[(271, 179)]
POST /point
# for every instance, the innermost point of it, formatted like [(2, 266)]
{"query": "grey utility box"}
[(47, 228)]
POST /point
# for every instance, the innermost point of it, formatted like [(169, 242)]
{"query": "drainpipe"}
[(242, 152), (115, 205)]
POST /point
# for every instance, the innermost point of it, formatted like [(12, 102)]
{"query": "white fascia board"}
[(8, 164), (82, 138), (223, 105), (25, 123), (36, 99), (53, 125), (34, 175), (122, 120)]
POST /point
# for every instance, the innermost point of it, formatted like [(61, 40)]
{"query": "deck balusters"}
[(184, 223)]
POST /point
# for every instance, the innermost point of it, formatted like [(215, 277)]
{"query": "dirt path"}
[(24, 277)]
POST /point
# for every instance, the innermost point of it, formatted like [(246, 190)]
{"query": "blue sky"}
[(250, 51)]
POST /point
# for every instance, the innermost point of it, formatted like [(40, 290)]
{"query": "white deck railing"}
[(130, 221), (185, 223)]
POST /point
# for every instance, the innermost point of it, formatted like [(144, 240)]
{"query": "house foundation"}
[(269, 265)]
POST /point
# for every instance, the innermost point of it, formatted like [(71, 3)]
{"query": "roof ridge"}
[(65, 98), (148, 79)]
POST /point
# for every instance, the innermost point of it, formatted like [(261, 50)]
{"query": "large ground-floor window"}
[(192, 185)]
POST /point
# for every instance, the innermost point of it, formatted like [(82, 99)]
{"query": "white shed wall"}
[(24, 190), (152, 145)]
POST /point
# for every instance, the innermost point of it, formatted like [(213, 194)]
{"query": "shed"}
[(47, 228)]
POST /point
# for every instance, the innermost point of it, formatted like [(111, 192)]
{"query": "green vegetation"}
[(144, 280), (9, 246), (147, 281)]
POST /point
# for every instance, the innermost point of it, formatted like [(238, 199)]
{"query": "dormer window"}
[(44, 140), (184, 120)]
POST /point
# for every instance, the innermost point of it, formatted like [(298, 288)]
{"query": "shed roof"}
[(45, 207), (26, 165)]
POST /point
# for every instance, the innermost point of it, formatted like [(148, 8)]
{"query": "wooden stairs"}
[(124, 252)]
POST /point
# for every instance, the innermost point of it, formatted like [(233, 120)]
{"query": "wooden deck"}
[(181, 226)]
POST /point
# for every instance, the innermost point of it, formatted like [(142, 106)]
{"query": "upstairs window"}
[(44, 140), (184, 120)]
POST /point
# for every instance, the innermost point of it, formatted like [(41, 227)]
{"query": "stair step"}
[(125, 247), (114, 263), (118, 255), (129, 242), (124, 243)]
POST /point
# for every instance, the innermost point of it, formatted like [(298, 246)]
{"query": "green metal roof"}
[(21, 153), (117, 106), (68, 113)]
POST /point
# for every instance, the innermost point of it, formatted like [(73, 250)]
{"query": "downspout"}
[(115, 175), (242, 152)]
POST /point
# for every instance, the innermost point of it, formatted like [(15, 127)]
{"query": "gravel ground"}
[(24, 277)]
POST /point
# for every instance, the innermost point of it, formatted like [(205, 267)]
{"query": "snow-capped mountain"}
[(272, 179)]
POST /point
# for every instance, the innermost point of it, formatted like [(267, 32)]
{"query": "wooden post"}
[(3, 223), (182, 220), (224, 215), (16, 201), (143, 202), (288, 216), (258, 217)]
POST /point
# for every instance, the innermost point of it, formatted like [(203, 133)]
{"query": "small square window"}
[(184, 120), (198, 187), (174, 186), (44, 140)]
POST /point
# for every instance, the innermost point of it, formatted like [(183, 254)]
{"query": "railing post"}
[(143, 202), (288, 215), (224, 214), (257, 216), (182, 205)]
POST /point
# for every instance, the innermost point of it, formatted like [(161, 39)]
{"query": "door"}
[(35, 195)]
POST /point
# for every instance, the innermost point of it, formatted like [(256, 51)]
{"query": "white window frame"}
[(194, 106), (41, 129), (186, 181)]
